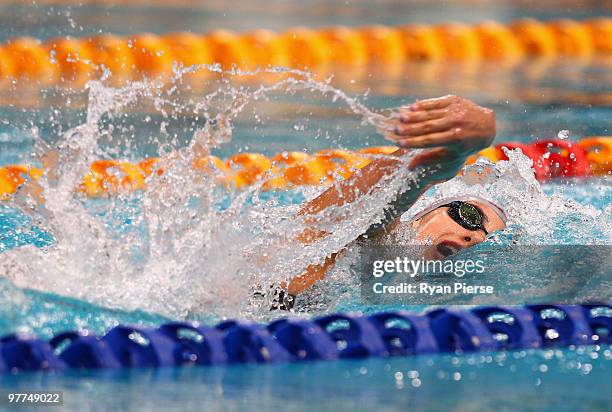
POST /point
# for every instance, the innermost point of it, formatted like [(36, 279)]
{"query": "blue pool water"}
[(526, 381), (529, 104)]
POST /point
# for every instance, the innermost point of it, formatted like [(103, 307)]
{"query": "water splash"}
[(173, 251), (534, 217), (180, 256)]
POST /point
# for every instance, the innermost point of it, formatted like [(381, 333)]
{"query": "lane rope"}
[(552, 158), (326, 338), (149, 55)]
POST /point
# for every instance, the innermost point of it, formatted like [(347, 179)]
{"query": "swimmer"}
[(450, 128)]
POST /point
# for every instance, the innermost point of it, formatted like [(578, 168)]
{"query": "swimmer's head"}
[(457, 223)]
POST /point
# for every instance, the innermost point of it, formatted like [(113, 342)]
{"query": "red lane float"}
[(562, 158), (554, 158), (540, 167)]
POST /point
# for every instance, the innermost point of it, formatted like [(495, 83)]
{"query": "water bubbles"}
[(563, 134), (501, 317), (586, 368), (551, 334), (552, 313), (138, 338)]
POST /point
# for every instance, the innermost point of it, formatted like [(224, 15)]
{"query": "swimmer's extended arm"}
[(452, 127), (361, 182), (337, 195)]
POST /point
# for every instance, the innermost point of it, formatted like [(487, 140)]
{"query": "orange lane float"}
[(601, 32), (552, 158), (305, 47), (111, 53), (147, 54), (152, 56), (13, 176), (599, 154), (228, 49), (112, 176), (460, 41), (345, 46), (300, 168), (266, 48), (573, 39), (30, 60), (189, 49), (247, 168), (536, 38), (421, 42), (383, 44), (497, 42), (7, 67), (73, 56)]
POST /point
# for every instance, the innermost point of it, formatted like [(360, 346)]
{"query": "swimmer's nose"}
[(463, 238), (470, 238), (458, 240)]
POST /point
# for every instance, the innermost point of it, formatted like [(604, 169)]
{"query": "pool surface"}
[(526, 381)]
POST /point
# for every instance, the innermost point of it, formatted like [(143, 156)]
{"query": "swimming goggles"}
[(466, 215)]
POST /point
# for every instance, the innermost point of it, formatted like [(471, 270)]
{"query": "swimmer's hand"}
[(457, 124)]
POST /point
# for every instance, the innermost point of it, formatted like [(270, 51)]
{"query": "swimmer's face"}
[(447, 236)]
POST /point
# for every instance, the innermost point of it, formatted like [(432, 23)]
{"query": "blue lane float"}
[(330, 337)]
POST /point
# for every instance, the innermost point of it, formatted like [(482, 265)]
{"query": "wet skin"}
[(447, 237), (449, 129)]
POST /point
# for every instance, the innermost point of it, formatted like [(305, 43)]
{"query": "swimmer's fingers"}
[(436, 103), (431, 140), (422, 116), (423, 128)]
